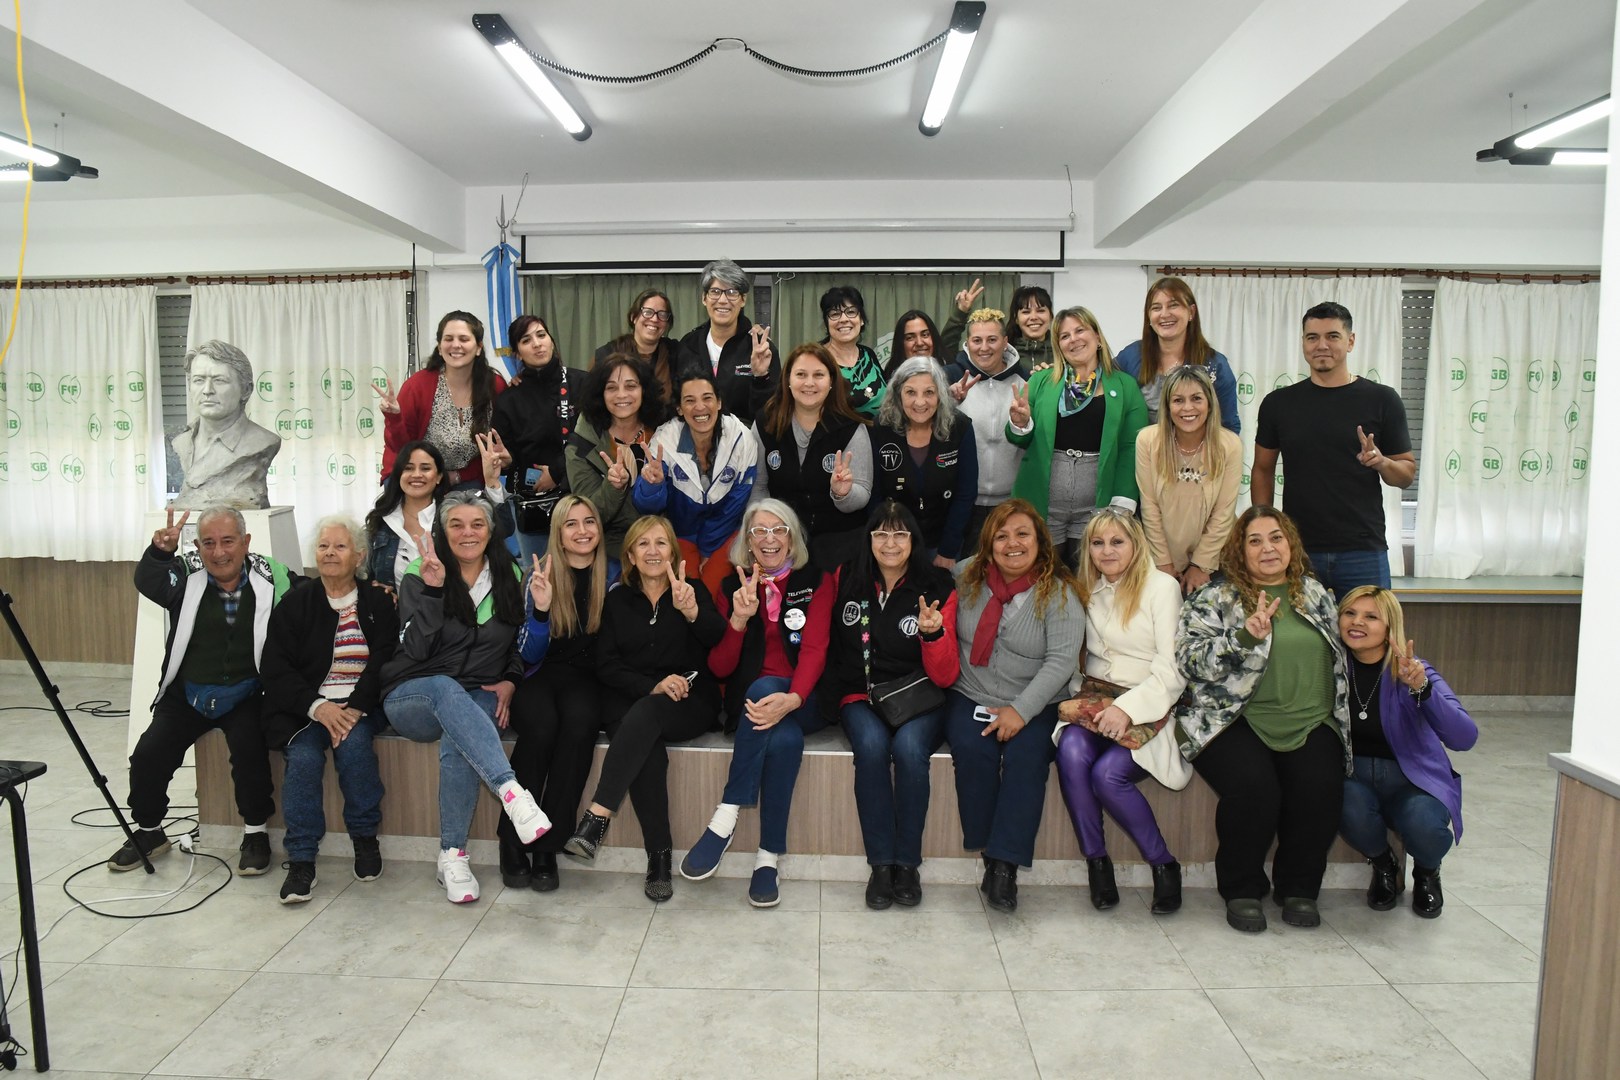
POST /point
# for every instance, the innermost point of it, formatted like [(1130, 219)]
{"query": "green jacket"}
[(1116, 470)]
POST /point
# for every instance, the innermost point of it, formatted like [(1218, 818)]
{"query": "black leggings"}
[(637, 763), (556, 713), (1293, 795)]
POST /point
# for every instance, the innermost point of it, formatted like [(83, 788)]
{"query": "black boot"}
[(1166, 888), (545, 872), (907, 886), (515, 872), (658, 887), (1388, 879), (880, 888), (1002, 893), (588, 835), (1100, 877), (1427, 899)]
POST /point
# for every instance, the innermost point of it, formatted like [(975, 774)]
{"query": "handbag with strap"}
[(901, 700), (1096, 695)]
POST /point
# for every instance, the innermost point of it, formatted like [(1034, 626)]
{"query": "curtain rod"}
[(194, 279), (1495, 276)]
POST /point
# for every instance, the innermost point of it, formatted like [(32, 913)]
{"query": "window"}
[(173, 318)]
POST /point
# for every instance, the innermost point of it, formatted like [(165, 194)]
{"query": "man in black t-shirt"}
[(1339, 437)]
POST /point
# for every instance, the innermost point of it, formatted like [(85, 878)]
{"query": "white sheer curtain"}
[(81, 452), (316, 348), (1255, 322), (1506, 430)]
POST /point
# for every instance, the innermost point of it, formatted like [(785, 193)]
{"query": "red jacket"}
[(411, 423)]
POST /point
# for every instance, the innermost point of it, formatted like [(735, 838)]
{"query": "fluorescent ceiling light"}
[(1542, 134), (508, 46), (1580, 157), (17, 148), (965, 21)]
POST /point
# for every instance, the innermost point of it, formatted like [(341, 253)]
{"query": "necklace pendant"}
[(1362, 715)]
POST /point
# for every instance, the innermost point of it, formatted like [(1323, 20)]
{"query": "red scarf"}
[(1001, 594)]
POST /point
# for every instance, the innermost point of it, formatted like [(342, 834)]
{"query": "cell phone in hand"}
[(983, 715), (531, 476)]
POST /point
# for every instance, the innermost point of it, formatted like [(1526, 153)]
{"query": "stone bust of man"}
[(225, 455)]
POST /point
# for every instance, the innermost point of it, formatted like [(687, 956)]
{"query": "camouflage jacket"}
[(1223, 673)]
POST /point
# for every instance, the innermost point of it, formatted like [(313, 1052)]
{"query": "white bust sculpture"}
[(225, 455)]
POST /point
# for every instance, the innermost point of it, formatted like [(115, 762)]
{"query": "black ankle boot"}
[(658, 887), (1100, 877), (1166, 888), (545, 872), (1002, 893), (515, 872), (880, 888), (588, 835), (1388, 879), (1427, 899)]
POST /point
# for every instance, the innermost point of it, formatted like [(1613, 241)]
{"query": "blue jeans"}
[(765, 764), (438, 707), (1342, 571), (1000, 786), (1379, 797), (892, 812), (301, 796)]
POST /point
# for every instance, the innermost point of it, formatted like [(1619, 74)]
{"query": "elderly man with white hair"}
[(218, 600), (327, 644)]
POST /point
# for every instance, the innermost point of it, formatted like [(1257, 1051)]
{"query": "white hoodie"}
[(987, 404)]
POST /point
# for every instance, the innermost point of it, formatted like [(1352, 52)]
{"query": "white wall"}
[(1595, 740)]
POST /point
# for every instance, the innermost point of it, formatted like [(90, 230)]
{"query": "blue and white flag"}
[(501, 281)]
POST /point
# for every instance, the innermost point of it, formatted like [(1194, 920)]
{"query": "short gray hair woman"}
[(798, 553), (727, 275), (926, 458)]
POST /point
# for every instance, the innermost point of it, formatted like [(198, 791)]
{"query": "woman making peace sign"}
[(620, 405), (1266, 719), (771, 658), (651, 656), (1405, 717), (816, 455)]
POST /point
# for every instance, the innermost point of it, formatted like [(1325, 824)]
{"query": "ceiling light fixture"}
[(10, 144), (965, 21), (511, 49), (1529, 147), (64, 167)]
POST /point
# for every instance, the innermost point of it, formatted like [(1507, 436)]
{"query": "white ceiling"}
[(1053, 83)]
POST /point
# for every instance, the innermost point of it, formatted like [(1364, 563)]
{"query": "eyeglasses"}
[(760, 532), (723, 294), (843, 313), (883, 536), (653, 315)]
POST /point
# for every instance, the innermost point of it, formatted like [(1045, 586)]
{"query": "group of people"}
[(1029, 563)]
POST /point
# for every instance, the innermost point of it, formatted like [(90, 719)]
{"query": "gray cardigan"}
[(1033, 658)]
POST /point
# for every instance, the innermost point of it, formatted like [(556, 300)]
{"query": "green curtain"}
[(585, 311), (796, 302)]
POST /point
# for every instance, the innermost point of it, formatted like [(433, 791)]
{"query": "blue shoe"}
[(704, 858), (762, 888)]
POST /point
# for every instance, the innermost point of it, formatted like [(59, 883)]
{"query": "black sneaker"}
[(152, 841), (300, 882), (255, 855), (367, 858)]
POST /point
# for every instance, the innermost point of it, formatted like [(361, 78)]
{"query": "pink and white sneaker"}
[(527, 818), (455, 874)]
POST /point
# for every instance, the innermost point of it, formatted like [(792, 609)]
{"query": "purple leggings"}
[(1097, 773)]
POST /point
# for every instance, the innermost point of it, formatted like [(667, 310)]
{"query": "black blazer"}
[(298, 654)]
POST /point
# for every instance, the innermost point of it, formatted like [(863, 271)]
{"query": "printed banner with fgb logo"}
[(1508, 429), (317, 350), (77, 401)]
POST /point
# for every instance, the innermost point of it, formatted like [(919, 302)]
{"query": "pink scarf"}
[(773, 591), (1001, 594)]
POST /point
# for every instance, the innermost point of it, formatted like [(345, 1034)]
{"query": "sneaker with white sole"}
[(527, 818), (299, 884), (455, 874)]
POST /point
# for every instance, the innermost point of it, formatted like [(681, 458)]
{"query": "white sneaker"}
[(527, 818), (455, 874)]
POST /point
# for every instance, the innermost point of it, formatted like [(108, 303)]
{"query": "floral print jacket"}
[(1223, 673)]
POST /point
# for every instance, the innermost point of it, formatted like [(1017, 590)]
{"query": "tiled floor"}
[(385, 979)]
